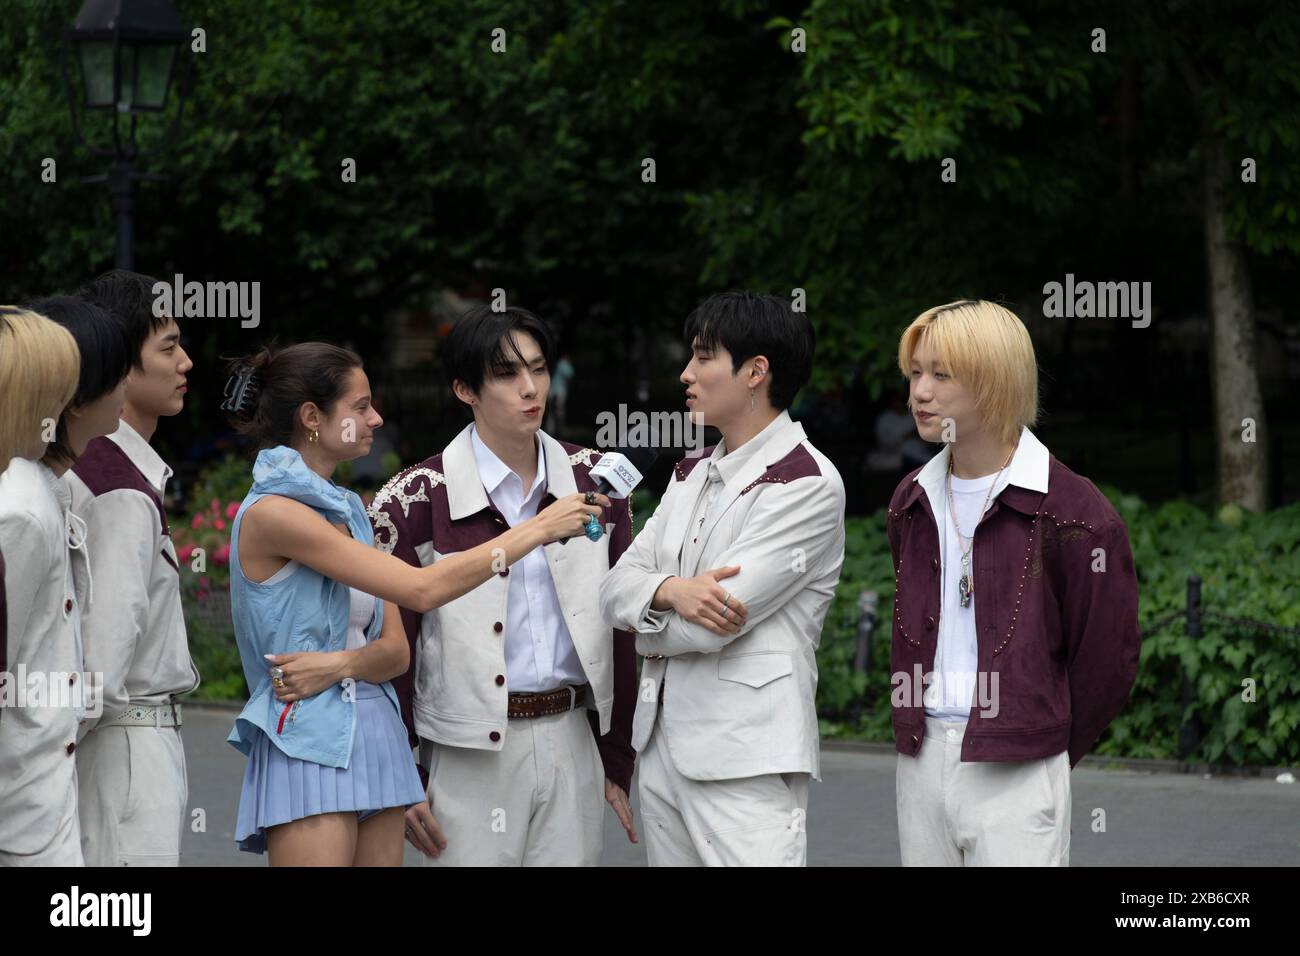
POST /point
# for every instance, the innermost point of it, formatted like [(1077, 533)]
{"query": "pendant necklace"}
[(965, 583)]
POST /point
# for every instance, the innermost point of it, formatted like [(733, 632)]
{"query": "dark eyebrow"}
[(172, 337)]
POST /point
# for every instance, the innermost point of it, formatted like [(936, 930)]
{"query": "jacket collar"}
[(731, 463), (1021, 487), (772, 444), (493, 471), (142, 455), (465, 492), (281, 471)]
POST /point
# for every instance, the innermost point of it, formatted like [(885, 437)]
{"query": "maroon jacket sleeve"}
[(398, 534), (615, 747), (1100, 622)]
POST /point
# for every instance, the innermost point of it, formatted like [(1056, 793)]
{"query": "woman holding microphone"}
[(315, 609)]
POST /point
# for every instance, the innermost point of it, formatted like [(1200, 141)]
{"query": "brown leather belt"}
[(543, 705)]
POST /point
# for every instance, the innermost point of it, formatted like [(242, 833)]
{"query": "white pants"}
[(952, 813), (133, 796), (749, 821), (64, 848), (538, 801)]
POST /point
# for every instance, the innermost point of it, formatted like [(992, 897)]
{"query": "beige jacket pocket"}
[(755, 669)]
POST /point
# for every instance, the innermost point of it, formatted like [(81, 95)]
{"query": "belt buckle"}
[(573, 697)]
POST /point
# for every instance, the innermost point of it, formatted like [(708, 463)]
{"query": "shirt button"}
[(67, 606), (72, 678), (500, 679), (71, 747), (497, 627), (934, 563), (952, 733), (929, 623), (504, 573), (915, 742), (494, 736)]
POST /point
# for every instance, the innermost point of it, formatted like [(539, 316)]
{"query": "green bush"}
[(1249, 565)]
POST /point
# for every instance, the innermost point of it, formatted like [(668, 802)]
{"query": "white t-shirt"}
[(359, 615), (956, 658)]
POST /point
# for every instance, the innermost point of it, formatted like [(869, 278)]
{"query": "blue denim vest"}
[(304, 612)]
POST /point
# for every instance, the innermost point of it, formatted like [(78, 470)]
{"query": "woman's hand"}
[(567, 517), (308, 673)]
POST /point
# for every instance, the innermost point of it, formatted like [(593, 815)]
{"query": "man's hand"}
[(423, 831), (617, 798), (703, 601)]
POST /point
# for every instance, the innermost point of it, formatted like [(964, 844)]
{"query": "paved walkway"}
[(1152, 819)]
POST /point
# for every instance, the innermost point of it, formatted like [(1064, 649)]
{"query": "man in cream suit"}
[(519, 697), (727, 586)]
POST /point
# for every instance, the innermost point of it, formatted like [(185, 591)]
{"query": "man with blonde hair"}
[(1015, 613), (40, 364)]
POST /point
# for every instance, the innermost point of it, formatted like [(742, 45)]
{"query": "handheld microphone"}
[(617, 473)]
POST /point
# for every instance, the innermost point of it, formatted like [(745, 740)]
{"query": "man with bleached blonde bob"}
[(1015, 636)]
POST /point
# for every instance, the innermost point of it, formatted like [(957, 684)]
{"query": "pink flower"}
[(184, 553), (222, 554), (204, 583), (198, 521), (232, 509), (218, 524), (216, 506)]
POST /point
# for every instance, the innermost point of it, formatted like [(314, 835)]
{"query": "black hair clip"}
[(241, 389)]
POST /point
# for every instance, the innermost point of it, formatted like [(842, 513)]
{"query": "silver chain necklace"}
[(965, 583)]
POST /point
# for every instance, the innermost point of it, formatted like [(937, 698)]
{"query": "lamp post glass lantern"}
[(125, 53)]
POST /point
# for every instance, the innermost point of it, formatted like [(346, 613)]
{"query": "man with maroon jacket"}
[(519, 696), (1015, 638)]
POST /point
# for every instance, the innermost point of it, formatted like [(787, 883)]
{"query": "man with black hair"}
[(131, 762), (519, 697), (727, 586)]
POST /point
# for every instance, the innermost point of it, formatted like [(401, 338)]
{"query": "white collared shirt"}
[(132, 618), (956, 658), (540, 655), (143, 456)]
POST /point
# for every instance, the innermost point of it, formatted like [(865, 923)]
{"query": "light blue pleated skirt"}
[(381, 774)]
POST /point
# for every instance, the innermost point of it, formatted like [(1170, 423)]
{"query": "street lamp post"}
[(125, 54)]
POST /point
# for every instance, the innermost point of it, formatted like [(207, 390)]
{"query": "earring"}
[(751, 399), (314, 436)]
